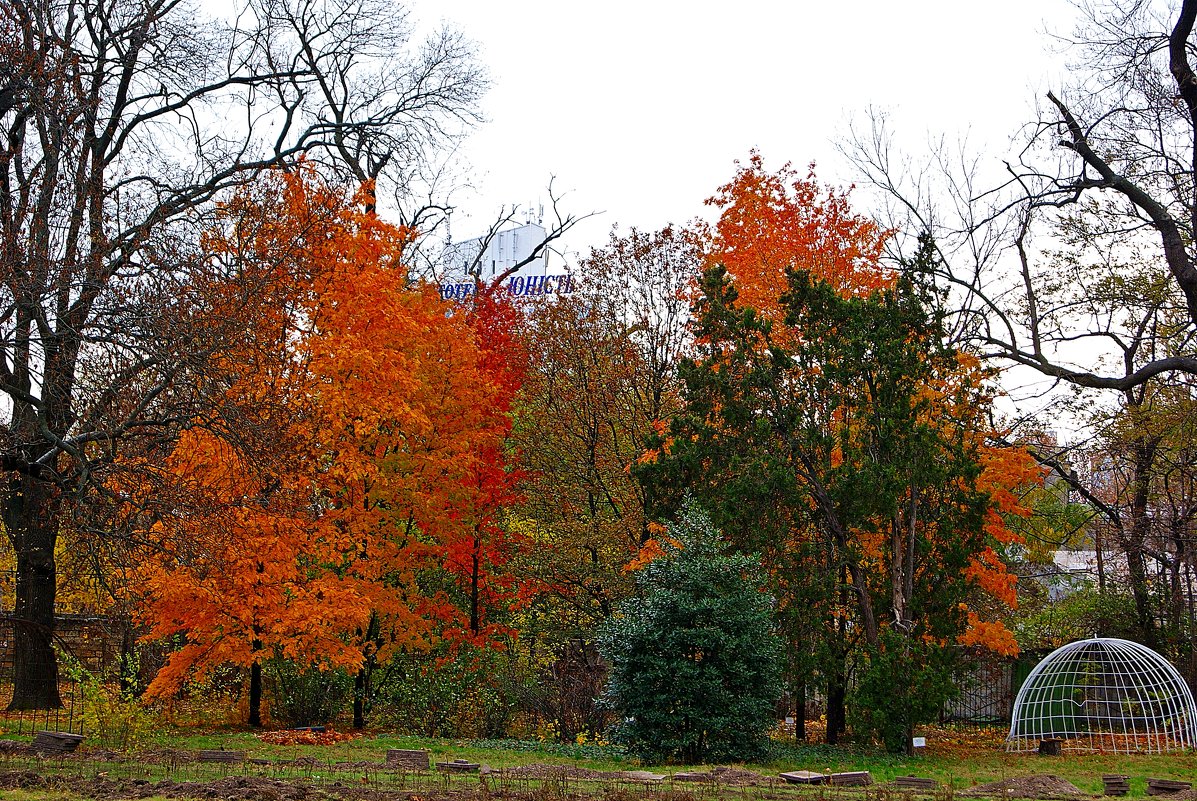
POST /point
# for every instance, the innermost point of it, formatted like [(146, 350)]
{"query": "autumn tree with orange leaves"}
[(374, 485), (829, 426)]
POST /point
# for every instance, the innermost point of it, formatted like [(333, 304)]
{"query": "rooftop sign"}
[(519, 286)]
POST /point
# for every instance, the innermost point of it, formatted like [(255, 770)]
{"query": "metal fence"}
[(67, 718), (986, 687)]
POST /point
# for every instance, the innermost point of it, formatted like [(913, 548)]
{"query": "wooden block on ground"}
[(693, 776), (1050, 747), (852, 778), (1115, 784), (916, 783), (458, 766), (221, 756), (409, 759), (804, 777), (56, 742), (1166, 786)]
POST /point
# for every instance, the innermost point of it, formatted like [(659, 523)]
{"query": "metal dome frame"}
[(1104, 694)]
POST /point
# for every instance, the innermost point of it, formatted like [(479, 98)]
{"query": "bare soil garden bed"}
[(1043, 786)]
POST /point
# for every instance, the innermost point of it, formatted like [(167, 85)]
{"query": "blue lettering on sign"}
[(456, 291), (519, 286)]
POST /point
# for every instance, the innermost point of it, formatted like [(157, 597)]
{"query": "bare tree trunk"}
[(476, 582), (255, 694), (837, 692), (359, 699), (837, 681), (800, 710), (129, 679), (361, 681), (30, 515), (1144, 459)]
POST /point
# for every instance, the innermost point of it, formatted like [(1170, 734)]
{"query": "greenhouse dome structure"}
[(1104, 694)]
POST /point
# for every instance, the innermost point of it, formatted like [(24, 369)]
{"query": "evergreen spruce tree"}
[(694, 662)]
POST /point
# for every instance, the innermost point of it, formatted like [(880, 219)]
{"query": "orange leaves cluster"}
[(651, 550), (231, 574), (1004, 471), (772, 222), (991, 635), (361, 446)]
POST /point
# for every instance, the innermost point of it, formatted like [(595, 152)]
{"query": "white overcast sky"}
[(640, 109)]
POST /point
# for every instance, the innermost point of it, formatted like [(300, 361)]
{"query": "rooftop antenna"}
[(540, 219)]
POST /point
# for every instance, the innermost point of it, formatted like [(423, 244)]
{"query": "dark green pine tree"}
[(693, 656)]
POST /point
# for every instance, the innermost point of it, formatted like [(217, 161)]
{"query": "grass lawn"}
[(958, 758)]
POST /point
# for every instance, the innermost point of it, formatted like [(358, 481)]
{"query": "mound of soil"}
[(22, 780), (733, 777), (559, 772), (231, 788), (1044, 786), (243, 788)]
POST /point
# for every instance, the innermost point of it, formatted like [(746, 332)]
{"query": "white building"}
[(505, 249), (489, 257)]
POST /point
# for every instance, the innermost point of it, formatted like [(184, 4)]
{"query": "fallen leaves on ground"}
[(963, 740), (306, 737)]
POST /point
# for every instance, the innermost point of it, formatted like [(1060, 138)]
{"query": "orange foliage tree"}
[(773, 222), (478, 546), (361, 445)]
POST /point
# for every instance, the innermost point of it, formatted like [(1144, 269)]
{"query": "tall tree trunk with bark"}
[(799, 691), (255, 694), (1144, 451), (30, 515)]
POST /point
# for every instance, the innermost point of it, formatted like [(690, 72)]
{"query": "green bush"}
[(694, 662), (305, 696), (110, 716), (904, 681), (452, 692)]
